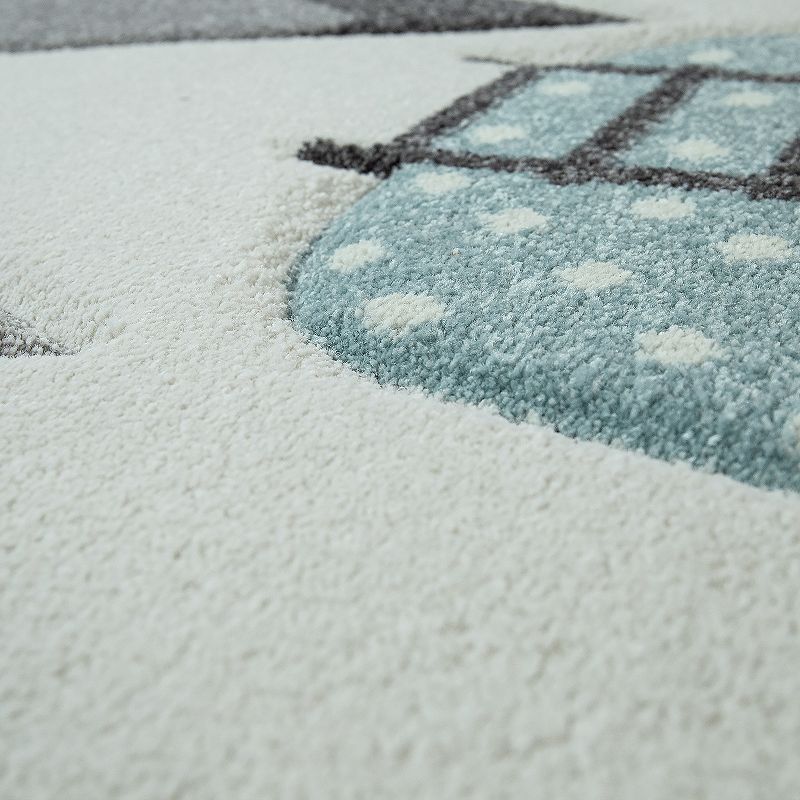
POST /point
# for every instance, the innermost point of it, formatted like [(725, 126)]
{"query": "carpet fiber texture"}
[(407, 412), (40, 24), (659, 316)]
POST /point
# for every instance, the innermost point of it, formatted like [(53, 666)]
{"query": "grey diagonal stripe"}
[(397, 16), (19, 339), (45, 24)]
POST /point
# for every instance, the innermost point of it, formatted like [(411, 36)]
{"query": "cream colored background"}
[(233, 568)]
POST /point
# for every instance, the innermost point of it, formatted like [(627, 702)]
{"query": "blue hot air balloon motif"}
[(612, 250)]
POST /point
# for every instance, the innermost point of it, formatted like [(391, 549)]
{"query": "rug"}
[(400, 399)]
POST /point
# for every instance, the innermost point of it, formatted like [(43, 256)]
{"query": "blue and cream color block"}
[(656, 318), (551, 116)]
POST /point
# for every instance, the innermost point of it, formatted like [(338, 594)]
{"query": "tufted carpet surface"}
[(400, 400)]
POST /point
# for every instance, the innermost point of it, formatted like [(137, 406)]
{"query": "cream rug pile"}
[(400, 400)]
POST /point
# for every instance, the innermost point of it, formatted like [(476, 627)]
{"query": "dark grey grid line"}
[(680, 84), (593, 160), (379, 160), (621, 132)]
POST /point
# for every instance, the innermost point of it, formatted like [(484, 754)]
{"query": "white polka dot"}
[(515, 220), (594, 275), (697, 149), (351, 256), (748, 99), (677, 345), (663, 208), (712, 56), (564, 88), (492, 134), (399, 312), (526, 286), (441, 182), (534, 418), (755, 247)]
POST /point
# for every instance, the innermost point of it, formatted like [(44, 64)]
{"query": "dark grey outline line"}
[(592, 159), (466, 107)]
